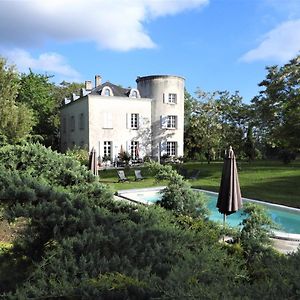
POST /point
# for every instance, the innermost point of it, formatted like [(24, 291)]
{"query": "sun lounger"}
[(194, 174), (122, 176), (138, 175)]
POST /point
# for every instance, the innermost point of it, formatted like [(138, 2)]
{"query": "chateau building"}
[(144, 121)]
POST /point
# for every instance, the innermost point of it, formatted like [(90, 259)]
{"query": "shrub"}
[(255, 233), (38, 161), (79, 154), (178, 195), (286, 156)]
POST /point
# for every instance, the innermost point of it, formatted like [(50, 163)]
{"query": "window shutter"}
[(128, 119), (164, 98), (163, 148), (163, 121), (110, 125), (99, 150), (104, 120)]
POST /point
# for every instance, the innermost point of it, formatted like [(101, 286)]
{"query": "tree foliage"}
[(37, 92), (216, 120), (277, 106), (16, 118), (255, 233), (40, 162), (178, 195), (78, 243), (250, 149)]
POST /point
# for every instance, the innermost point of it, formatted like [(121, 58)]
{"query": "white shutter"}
[(163, 148), (99, 151), (128, 120), (164, 121), (104, 120), (141, 122), (109, 119)]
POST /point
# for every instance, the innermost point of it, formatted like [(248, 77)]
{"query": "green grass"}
[(270, 181), (110, 177)]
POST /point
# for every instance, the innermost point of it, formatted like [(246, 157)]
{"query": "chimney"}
[(88, 85), (98, 80)]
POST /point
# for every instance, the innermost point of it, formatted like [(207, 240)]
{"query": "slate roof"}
[(117, 90)]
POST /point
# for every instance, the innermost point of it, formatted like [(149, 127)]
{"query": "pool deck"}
[(282, 241)]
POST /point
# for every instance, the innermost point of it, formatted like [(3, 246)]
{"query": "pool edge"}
[(281, 235)]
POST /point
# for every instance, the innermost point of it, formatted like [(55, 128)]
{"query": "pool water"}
[(287, 219)]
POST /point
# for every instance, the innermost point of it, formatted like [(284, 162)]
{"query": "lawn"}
[(270, 181)]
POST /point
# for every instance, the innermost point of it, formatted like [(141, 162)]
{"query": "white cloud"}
[(282, 43), (51, 63), (111, 24)]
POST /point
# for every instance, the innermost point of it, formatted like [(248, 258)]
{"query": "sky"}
[(213, 44)]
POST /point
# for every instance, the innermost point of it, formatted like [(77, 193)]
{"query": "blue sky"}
[(214, 44)]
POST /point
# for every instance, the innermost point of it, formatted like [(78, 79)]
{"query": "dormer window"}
[(134, 93), (107, 91)]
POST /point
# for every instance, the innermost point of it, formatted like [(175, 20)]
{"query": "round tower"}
[(167, 112)]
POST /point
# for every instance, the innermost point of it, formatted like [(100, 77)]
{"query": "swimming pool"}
[(288, 219)]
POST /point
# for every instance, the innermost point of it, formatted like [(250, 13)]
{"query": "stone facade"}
[(144, 121)]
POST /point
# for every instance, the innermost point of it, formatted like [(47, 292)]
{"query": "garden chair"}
[(194, 174), (121, 175), (138, 175)]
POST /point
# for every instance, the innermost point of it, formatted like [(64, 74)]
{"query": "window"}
[(134, 121), (134, 94), (171, 148), (72, 123), (172, 98), (107, 120), (107, 149), (81, 121), (134, 149), (171, 122), (106, 92)]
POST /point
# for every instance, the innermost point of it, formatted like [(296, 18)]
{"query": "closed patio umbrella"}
[(137, 151), (93, 164), (229, 199), (121, 150)]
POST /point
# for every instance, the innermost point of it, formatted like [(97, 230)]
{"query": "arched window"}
[(134, 94), (106, 91)]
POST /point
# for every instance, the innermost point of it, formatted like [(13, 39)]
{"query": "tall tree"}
[(249, 145), (37, 92), (234, 117), (16, 119), (277, 106), (45, 99), (215, 120)]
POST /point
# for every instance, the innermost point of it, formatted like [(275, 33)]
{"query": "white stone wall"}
[(158, 88), (78, 135), (109, 120)]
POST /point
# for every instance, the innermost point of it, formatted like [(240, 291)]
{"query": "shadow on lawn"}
[(283, 190), (280, 190)]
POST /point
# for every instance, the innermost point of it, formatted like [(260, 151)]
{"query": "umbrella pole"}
[(224, 222)]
